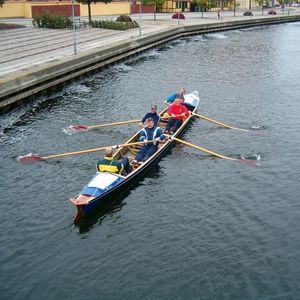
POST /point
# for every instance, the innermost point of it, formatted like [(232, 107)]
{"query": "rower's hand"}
[(145, 141)]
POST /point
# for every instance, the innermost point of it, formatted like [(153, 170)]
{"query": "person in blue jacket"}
[(149, 133), (153, 115), (174, 96)]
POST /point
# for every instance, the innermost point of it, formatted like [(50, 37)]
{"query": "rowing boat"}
[(105, 186)]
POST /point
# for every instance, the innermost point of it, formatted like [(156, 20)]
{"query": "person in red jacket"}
[(178, 113)]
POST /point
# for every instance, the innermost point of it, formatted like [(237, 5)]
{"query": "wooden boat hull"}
[(96, 196)]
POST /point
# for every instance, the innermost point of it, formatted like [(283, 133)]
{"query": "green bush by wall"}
[(116, 25), (48, 20)]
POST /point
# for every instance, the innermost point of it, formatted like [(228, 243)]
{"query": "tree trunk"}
[(89, 11)]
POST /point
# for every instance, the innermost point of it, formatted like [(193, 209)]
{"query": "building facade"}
[(29, 9)]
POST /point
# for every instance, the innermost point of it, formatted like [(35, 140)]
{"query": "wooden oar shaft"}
[(203, 149), (169, 117), (113, 124), (84, 127), (217, 122), (90, 150)]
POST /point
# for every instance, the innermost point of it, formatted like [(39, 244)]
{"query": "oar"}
[(246, 161), (33, 157), (217, 122), (79, 127), (85, 127), (202, 149)]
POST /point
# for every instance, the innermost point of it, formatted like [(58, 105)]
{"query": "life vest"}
[(108, 164), (166, 115)]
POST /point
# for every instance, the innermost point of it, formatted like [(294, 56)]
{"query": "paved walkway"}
[(24, 48)]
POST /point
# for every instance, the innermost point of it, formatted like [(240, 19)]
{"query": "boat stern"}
[(94, 192)]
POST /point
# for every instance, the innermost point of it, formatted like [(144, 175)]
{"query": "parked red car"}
[(272, 12), (178, 16)]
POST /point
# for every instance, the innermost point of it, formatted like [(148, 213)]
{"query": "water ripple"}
[(195, 227)]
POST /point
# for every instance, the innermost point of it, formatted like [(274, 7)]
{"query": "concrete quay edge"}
[(20, 86)]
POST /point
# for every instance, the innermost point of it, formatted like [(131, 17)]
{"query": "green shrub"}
[(110, 24), (47, 20)]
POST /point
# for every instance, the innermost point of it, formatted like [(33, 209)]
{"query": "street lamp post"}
[(234, 8), (140, 29), (74, 29)]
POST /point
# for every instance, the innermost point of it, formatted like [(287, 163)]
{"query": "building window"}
[(181, 4)]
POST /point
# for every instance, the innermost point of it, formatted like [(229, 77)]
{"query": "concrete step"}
[(31, 42)]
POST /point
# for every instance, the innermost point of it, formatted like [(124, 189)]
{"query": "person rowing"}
[(178, 113), (153, 115), (109, 164), (172, 97), (149, 133), (179, 95)]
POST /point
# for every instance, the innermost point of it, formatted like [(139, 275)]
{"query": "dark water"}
[(195, 227)]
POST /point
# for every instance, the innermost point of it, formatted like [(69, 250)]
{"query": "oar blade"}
[(29, 157), (250, 163), (78, 127)]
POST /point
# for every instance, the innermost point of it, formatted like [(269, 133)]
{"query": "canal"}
[(195, 227)]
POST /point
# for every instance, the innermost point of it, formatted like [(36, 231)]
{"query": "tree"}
[(233, 4), (213, 4), (282, 3), (1, 3), (88, 2), (202, 4), (263, 3), (158, 4)]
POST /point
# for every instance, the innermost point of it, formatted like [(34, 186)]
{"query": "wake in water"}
[(258, 130), (219, 36), (122, 67), (252, 156), (78, 88), (68, 131), (165, 47), (149, 55), (258, 127), (198, 38), (251, 159)]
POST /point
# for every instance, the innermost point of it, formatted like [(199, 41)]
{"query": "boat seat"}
[(133, 165)]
